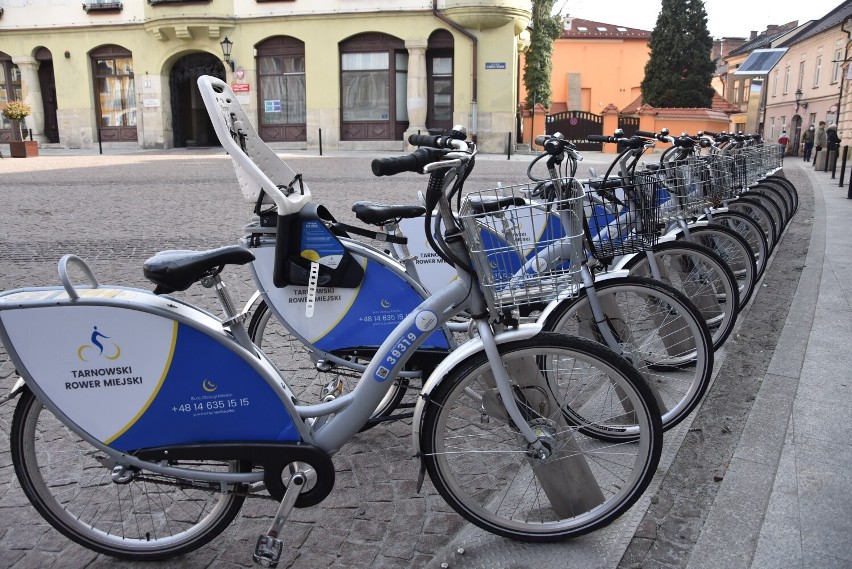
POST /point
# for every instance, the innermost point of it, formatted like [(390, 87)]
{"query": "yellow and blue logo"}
[(98, 348), (208, 386)]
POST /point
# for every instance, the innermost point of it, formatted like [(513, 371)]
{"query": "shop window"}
[(102, 6), (281, 94), (10, 90), (373, 87), (115, 93)]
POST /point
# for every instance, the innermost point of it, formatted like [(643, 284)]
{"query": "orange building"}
[(595, 65)]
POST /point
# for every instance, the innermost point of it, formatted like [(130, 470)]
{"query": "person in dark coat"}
[(832, 138), (808, 139)]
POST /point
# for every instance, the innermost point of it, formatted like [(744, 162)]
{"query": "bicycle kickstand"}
[(267, 551)]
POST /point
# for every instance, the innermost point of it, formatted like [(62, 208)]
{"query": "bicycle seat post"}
[(233, 320)]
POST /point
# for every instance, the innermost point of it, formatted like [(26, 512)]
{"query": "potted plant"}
[(16, 111)]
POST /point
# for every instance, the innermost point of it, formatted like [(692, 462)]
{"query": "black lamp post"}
[(226, 51), (798, 98)]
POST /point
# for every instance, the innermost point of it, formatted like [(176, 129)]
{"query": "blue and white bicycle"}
[(143, 441)]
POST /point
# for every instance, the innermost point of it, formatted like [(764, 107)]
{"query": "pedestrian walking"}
[(820, 139), (808, 140), (784, 140)]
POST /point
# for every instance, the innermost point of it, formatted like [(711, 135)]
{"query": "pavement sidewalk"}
[(785, 498)]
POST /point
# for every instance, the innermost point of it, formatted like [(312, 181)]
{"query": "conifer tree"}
[(679, 71), (538, 66)]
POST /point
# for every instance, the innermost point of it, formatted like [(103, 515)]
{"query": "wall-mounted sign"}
[(150, 103), (495, 65), (240, 87), (272, 106), (241, 73)]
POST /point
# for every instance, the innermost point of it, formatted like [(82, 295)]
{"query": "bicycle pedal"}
[(267, 551)]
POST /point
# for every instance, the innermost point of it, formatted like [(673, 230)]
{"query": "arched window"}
[(281, 91), (439, 77), (115, 93), (10, 90), (373, 87)]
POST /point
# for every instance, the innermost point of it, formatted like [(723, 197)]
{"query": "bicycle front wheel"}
[(144, 517), (659, 332), (487, 472), (735, 251), (702, 276)]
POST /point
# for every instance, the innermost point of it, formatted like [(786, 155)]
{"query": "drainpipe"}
[(474, 42)]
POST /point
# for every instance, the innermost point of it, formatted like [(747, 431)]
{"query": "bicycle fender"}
[(250, 305), (15, 391), (466, 350), (599, 278)]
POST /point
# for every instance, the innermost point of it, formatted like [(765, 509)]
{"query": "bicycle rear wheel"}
[(147, 517), (659, 332), (486, 471)]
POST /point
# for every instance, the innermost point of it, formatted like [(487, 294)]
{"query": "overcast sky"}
[(725, 18)]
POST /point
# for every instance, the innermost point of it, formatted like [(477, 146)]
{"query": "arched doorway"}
[(190, 123), (47, 83), (795, 135)]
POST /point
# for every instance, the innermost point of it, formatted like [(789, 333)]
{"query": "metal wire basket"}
[(525, 241), (721, 178), (676, 189), (622, 220), (754, 165)]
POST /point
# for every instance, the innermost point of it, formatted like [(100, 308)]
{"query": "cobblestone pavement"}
[(116, 211)]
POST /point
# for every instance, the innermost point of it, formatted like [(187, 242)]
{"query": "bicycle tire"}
[(69, 483), (702, 276), (749, 230), (786, 184), (661, 333), (293, 359), (758, 212), (773, 209), (778, 198), (759, 215), (484, 470), (736, 253), (786, 190)]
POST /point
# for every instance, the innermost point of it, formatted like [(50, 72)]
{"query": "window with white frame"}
[(772, 128), (775, 83), (801, 78), (786, 79), (817, 69), (836, 63)]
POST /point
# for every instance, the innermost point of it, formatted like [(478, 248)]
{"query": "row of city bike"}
[(539, 338)]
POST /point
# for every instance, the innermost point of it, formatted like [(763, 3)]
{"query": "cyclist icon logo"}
[(111, 351)]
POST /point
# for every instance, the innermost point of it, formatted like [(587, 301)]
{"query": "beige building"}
[(344, 74), (793, 76)]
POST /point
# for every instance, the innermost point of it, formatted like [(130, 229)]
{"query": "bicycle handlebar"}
[(632, 142), (413, 162)]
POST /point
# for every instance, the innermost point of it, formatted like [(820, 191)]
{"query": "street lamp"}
[(226, 52), (799, 100)]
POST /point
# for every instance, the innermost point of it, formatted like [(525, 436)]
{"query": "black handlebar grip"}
[(424, 140), (541, 139), (713, 134), (413, 162), (600, 138), (645, 134)]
